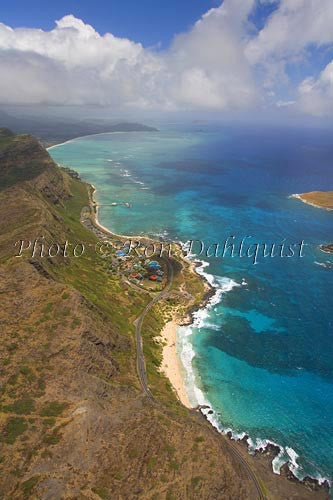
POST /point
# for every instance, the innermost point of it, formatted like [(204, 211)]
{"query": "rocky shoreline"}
[(326, 248), (269, 452), (187, 320)]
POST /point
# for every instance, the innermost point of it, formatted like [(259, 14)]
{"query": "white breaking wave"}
[(125, 172), (286, 454), (186, 350), (326, 265), (293, 456), (164, 235)]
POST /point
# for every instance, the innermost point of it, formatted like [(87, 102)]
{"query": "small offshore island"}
[(86, 410), (318, 199)]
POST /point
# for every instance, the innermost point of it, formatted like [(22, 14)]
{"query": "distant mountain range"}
[(53, 130)]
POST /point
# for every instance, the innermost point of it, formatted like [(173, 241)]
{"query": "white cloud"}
[(73, 64), (294, 29), (221, 63), (316, 95), (285, 104), (293, 26), (208, 63)]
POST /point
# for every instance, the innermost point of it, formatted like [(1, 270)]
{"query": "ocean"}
[(260, 354)]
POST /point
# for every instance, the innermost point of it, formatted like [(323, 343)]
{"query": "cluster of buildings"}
[(138, 269)]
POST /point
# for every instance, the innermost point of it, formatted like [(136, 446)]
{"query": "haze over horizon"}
[(241, 56)]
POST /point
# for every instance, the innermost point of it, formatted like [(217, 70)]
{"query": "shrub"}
[(102, 492), (27, 373), (22, 406), (15, 427), (199, 439), (195, 481), (29, 485), (174, 465), (53, 409), (151, 463), (48, 308), (52, 439)]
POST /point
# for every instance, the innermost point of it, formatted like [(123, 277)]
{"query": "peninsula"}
[(52, 130)]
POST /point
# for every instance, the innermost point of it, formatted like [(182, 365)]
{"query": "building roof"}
[(154, 263)]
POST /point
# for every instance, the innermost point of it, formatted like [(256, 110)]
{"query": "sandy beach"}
[(94, 215), (83, 137), (171, 365)]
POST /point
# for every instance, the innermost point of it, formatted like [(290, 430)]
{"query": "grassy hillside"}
[(74, 423)]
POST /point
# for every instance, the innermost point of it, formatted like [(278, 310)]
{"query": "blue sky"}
[(177, 55), (147, 21)]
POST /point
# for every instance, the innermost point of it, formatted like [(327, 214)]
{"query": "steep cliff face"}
[(31, 187), (74, 423), (22, 158)]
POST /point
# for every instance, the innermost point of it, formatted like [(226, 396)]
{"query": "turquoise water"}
[(261, 352)]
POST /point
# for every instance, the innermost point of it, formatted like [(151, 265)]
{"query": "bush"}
[(151, 463), (14, 428), (27, 373), (28, 486), (53, 409), (195, 481), (22, 406), (52, 439), (102, 492), (48, 308), (174, 465)]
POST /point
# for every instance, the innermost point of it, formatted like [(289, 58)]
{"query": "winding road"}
[(140, 360), (141, 368)]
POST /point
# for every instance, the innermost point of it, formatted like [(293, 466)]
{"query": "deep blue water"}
[(263, 349)]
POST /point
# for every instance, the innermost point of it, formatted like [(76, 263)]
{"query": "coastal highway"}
[(140, 360), (141, 368)]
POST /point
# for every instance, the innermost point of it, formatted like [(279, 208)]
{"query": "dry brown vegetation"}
[(321, 199)]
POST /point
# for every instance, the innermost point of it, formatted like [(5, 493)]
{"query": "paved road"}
[(140, 360), (248, 469), (141, 367)]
